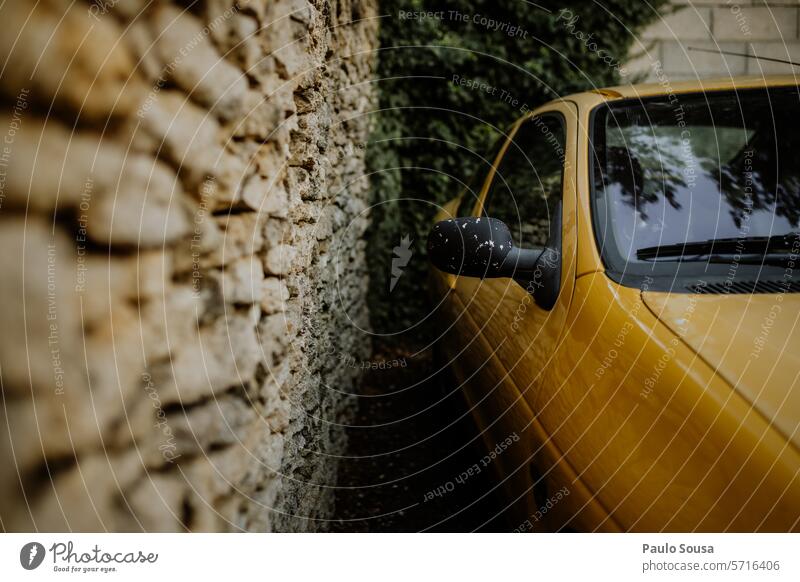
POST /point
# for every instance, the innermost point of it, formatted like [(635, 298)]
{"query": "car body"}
[(646, 403)]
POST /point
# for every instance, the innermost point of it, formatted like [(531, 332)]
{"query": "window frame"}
[(483, 201)]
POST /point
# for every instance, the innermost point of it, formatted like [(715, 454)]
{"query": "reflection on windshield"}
[(696, 167)]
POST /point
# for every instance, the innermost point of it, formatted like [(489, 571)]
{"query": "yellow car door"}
[(505, 338)]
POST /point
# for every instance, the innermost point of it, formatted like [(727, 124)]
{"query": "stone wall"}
[(182, 204), (755, 27)]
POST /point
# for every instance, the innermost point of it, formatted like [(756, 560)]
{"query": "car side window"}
[(481, 169), (469, 198), (528, 182)]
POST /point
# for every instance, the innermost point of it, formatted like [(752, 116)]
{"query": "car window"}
[(705, 167), (470, 196), (481, 169), (528, 181)]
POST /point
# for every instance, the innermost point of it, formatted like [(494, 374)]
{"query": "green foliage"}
[(431, 131)]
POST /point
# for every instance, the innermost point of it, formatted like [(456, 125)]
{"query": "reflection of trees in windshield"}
[(729, 156), (756, 180), (654, 170)]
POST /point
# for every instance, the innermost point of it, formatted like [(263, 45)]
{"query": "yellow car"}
[(619, 302)]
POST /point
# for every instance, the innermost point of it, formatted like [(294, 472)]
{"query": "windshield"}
[(694, 167)]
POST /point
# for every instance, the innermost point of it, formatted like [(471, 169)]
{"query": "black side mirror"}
[(477, 247), (483, 247), (473, 247)]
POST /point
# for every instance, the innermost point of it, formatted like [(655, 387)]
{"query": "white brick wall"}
[(755, 27)]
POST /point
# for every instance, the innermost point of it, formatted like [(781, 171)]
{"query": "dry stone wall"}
[(182, 209)]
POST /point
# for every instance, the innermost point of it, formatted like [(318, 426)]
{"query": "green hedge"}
[(430, 130)]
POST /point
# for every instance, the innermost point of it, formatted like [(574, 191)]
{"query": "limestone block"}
[(269, 449), (115, 364), (276, 231), (215, 477), (243, 235), (225, 354), (39, 313), (305, 215), (303, 186), (274, 332), (276, 407), (187, 135), (217, 473), (101, 280), (325, 224), (50, 166), (272, 160), (194, 64), (238, 38), (255, 515), (203, 248), (263, 114), (231, 172), (268, 196), (290, 42), (169, 323), (281, 260), (216, 424), (299, 11), (129, 9), (144, 211), (243, 281), (74, 416), (291, 56), (275, 293), (140, 40), (82, 498), (157, 502), (219, 12), (60, 51)]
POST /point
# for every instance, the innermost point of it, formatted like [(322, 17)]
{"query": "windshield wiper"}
[(754, 249)]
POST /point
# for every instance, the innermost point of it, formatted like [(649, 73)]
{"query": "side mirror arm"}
[(539, 270), (521, 262)]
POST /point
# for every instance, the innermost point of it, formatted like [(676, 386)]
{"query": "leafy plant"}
[(449, 83)]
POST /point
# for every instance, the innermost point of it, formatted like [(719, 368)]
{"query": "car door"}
[(505, 340), (531, 189)]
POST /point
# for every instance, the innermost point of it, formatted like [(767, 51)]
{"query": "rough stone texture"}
[(182, 210), (766, 28)]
